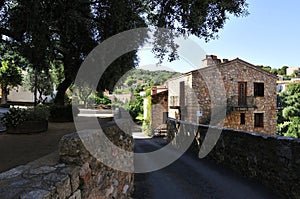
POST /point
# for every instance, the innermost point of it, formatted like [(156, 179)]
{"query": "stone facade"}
[(159, 107), (76, 175), (247, 92), (272, 160), (292, 70)]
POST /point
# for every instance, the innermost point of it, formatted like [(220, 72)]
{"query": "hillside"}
[(139, 79)]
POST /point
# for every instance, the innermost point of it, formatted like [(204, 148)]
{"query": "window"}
[(242, 118), (258, 89), (258, 120)]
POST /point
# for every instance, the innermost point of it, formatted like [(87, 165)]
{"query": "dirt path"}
[(19, 149)]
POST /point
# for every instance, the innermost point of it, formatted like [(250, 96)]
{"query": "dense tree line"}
[(63, 32), (277, 71)]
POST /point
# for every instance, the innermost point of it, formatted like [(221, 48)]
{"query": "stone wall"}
[(158, 107), (74, 175), (272, 160)]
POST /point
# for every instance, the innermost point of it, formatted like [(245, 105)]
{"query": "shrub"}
[(102, 100), (146, 128), (16, 116), (39, 112)]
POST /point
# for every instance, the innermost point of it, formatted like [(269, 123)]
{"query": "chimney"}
[(211, 60), (153, 90), (225, 60)]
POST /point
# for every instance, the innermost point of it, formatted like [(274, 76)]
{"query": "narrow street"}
[(190, 177)]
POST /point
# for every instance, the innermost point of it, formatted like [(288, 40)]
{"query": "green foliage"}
[(146, 126), (17, 116), (288, 118), (143, 80), (10, 74), (66, 31), (135, 107), (41, 81), (282, 70), (266, 68), (102, 100), (289, 112), (293, 89), (14, 117), (39, 112), (148, 92), (275, 71), (9, 52), (282, 128), (10, 77), (293, 128)]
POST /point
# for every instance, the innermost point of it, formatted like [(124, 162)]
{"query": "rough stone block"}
[(36, 194), (76, 195)]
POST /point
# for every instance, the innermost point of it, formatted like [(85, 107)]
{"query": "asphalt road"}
[(190, 177)]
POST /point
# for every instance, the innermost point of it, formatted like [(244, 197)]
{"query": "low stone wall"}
[(272, 160), (75, 173)]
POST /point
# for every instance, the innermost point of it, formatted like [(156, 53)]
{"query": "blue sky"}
[(269, 35)]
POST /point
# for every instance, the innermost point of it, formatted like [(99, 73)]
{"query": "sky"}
[(269, 35)]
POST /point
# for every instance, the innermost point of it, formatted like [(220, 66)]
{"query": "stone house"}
[(159, 110), (159, 107), (247, 92), (293, 70), (282, 84)]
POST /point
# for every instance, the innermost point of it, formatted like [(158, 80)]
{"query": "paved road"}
[(190, 177)]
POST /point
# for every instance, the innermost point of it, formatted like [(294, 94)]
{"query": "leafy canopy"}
[(10, 75), (66, 31)]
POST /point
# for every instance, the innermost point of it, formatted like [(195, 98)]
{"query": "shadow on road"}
[(190, 177)]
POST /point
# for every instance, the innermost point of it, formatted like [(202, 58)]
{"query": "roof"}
[(161, 93), (225, 64), (251, 66)]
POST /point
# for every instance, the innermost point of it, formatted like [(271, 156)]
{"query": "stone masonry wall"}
[(272, 160), (77, 175), (159, 106)]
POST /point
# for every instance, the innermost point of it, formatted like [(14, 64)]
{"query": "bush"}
[(16, 116), (62, 113), (102, 100), (39, 112), (294, 128)]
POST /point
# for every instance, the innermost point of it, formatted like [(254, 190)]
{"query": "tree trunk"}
[(35, 88), (4, 95), (61, 90)]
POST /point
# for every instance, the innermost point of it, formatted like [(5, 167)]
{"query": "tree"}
[(274, 71), (10, 77), (67, 30), (84, 92), (282, 70), (41, 82), (288, 118), (294, 128)]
